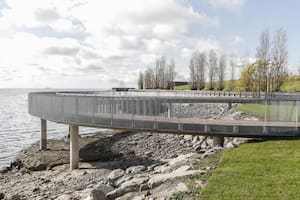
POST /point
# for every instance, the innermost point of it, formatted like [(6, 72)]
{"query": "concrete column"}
[(169, 110), (74, 146), (218, 141), (43, 140)]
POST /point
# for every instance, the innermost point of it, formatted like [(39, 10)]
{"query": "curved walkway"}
[(151, 111)]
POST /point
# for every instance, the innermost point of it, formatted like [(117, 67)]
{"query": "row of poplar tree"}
[(267, 73)]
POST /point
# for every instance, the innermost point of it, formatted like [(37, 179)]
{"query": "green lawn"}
[(273, 112), (266, 170)]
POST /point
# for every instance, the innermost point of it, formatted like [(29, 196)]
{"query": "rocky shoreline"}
[(115, 165)]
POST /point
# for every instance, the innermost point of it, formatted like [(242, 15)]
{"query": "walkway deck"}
[(152, 111)]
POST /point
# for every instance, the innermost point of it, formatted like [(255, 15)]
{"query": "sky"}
[(104, 44)]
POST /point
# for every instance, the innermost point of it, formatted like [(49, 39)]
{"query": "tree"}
[(200, 77), (141, 81), (232, 69), (149, 79), (221, 72), (279, 59), (213, 59), (263, 61), (248, 78), (193, 71), (170, 75), (162, 77)]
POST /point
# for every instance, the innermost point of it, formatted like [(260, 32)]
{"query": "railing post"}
[(74, 146), (43, 139)]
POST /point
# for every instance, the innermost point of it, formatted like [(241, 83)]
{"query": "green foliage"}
[(267, 170), (247, 82)]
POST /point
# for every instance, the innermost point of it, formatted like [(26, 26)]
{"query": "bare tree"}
[(193, 71), (170, 75), (201, 63), (279, 59), (232, 69), (149, 79), (221, 72), (263, 61), (213, 60), (141, 81)]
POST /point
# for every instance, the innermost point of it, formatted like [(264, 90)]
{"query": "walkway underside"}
[(228, 128)]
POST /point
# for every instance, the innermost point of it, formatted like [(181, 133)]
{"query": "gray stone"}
[(126, 187), (16, 197), (195, 139), (188, 137), (135, 169), (115, 174), (92, 194), (104, 188), (181, 187), (65, 197), (230, 145), (182, 172)]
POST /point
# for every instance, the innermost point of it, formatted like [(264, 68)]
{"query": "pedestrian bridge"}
[(163, 111)]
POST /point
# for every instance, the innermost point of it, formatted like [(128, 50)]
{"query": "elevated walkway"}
[(153, 111)]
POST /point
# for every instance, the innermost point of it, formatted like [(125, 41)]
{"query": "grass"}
[(292, 83), (257, 171), (182, 87), (273, 112)]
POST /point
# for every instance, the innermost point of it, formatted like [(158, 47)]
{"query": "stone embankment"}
[(117, 165)]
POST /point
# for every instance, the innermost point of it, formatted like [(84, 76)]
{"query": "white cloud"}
[(112, 38)]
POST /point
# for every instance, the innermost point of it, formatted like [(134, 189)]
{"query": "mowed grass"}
[(280, 112), (257, 171)]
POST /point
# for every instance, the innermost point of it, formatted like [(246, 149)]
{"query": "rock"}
[(115, 174), (204, 145), (135, 169), (123, 179), (181, 172), (182, 159), (2, 195), (195, 139), (104, 188), (141, 197), (16, 197), (181, 187), (188, 137), (92, 194), (229, 145), (128, 186), (65, 197), (162, 169)]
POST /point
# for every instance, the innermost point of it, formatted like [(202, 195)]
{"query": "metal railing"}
[(165, 111)]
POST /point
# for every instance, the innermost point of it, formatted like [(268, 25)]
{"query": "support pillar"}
[(43, 140), (218, 141), (74, 146), (169, 110)]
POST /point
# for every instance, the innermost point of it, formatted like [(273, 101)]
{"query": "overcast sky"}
[(103, 44)]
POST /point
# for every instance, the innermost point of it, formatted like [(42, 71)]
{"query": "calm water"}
[(18, 129)]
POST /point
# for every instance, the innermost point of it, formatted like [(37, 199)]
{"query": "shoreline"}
[(122, 166)]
